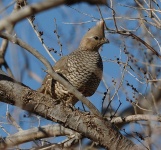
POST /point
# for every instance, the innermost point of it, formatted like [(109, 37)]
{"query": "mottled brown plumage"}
[(82, 68)]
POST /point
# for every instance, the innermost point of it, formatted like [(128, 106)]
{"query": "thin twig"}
[(40, 38)]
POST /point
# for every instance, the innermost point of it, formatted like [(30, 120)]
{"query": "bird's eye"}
[(96, 38)]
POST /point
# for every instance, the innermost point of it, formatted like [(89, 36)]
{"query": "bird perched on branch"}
[(82, 68)]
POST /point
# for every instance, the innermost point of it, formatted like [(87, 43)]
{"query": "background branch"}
[(39, 7), (50, 70), (37, 133)]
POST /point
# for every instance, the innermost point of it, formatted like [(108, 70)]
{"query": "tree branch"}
[(39, 7), (36, 133), (133, 118), (90, 126)]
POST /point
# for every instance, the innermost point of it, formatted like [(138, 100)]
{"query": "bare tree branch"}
[(37, 133), (138, 117), (39, 7), (90, 126)]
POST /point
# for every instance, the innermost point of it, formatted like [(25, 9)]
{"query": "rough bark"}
[(90, 126)]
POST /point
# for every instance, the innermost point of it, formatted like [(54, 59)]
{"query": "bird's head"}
[(94, 38)]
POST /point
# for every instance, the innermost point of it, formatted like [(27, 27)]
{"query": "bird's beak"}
[(105, 41)]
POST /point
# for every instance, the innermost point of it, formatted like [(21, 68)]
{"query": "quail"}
[(82, 68)]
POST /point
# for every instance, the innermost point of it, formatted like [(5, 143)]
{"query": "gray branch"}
[(38, 133)]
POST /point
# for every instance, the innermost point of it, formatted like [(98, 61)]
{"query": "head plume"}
[(94, 38)]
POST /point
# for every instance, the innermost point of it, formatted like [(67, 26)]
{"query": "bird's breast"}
[(85, 71)]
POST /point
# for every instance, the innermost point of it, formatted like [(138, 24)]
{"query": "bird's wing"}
[(61, 65)]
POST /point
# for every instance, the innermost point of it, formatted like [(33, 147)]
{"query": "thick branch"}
[(90, 126)]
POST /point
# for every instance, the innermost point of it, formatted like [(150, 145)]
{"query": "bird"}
[(82, 68)]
